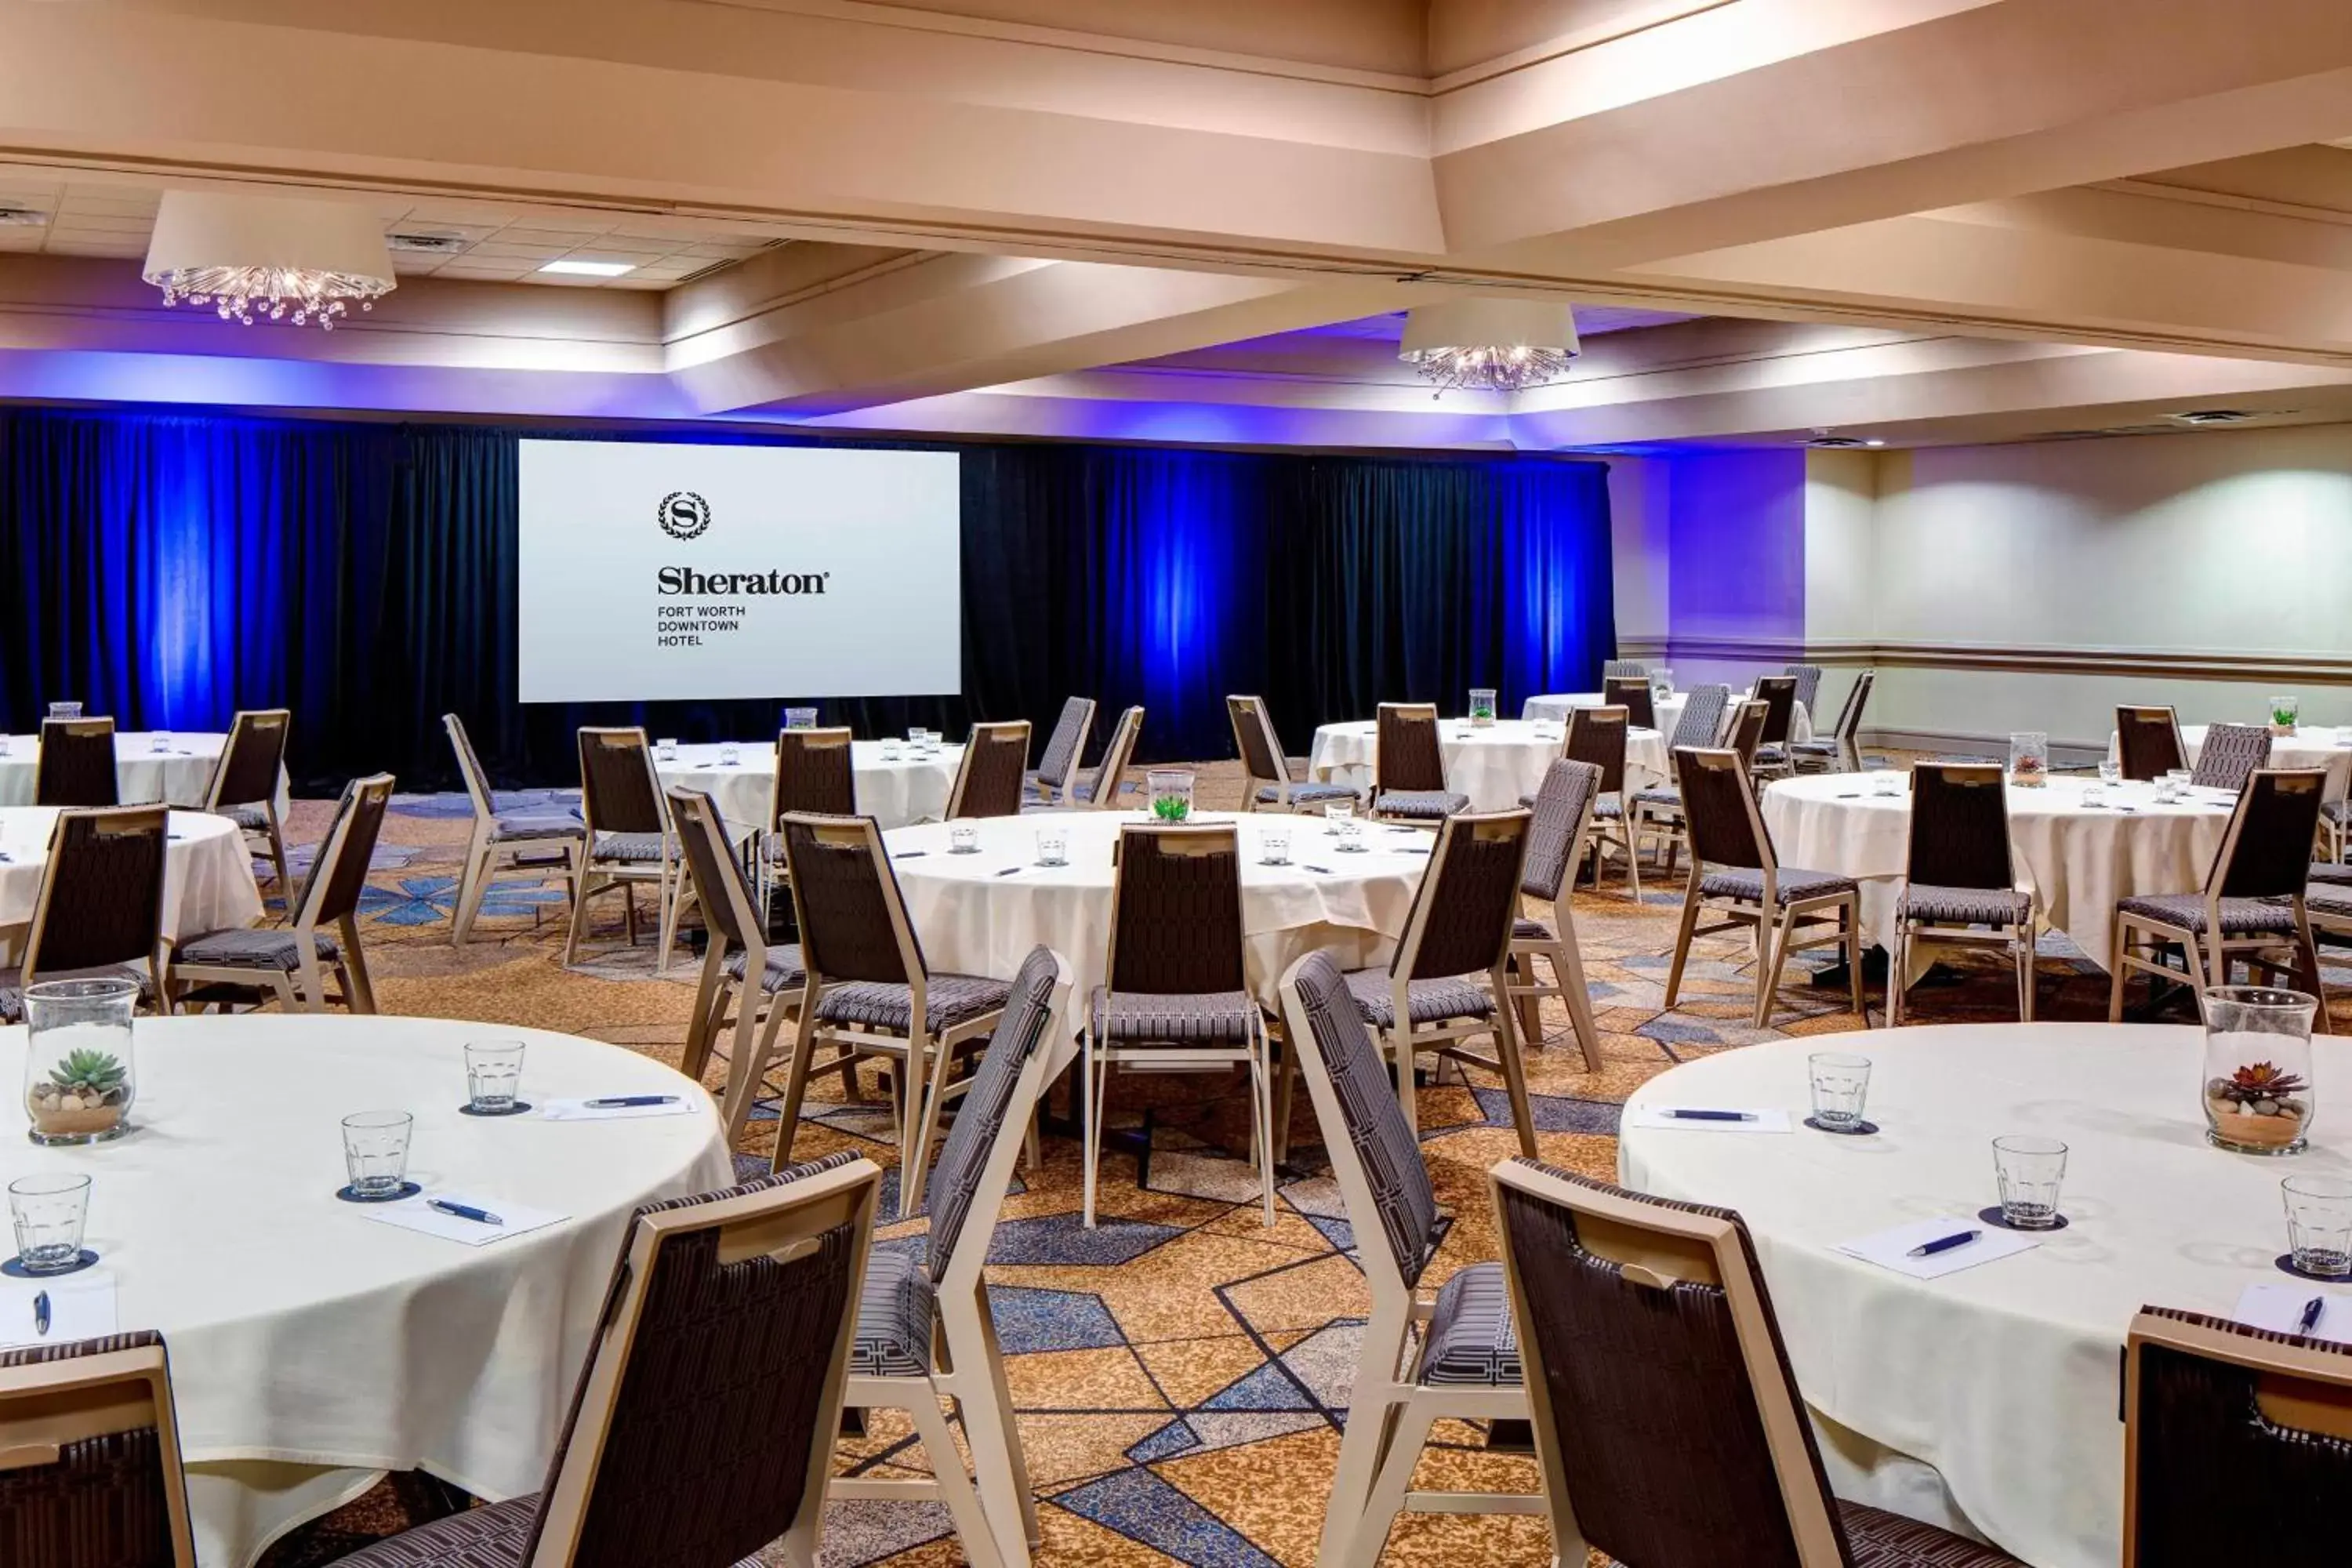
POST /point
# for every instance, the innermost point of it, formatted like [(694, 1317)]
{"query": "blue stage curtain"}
[(172, 568)]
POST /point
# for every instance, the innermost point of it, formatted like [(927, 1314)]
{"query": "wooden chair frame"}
[(1525, 993), (1060, 792), (1622, 832), (975, 746), (759, 1013), (1846, 737), (601, 875), (271, 839), (1110, 768), (159, 960), (2016, 941), (1415, 713), (1251, 712), (487, 857), (48, 1405)]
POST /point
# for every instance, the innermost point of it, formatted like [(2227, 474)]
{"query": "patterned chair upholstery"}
[(629, 841), (75, 766), (1960, 883), (113, 1496), (895, 1313), (1597, 735), (1261, 759), (1562, 815), (1633, 694), (2148, 741), (504, 843), (1808, 678), (99, 912), (244, 786), (1658, 809), (1102, 788), (2230, 754), (989, 783), (1409, 766), (1841, 749), (815, 770), (1622, 666), (1062, 749), (1779, 695)]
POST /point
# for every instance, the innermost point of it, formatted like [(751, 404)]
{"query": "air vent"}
[(22, 217), (426, 243), (2215, 416), (1836, 443)]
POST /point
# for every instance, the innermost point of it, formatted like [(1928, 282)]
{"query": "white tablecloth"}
[(312, 1348), (2309, 747), (2079, 860), (2002, 1378), (1553, 708), (895, 792), (1494, 766), (208, 882), (182, 775), (972, 920)]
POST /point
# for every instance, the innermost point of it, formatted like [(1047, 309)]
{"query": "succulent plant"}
[(2257, 1081), (1172, 808), (92, 1075)]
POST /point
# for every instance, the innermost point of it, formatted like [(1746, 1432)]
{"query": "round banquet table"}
[(2078, 858), (1553, 708), (2312, 746), (974, 920), (180, 775), (1494, 766), (208, 882), (904, 789), (2000, 1378), (312, 1348)]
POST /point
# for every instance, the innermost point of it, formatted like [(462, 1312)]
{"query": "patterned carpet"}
[(1181, 1371)]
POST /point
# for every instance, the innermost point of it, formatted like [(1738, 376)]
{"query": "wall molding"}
[(2189, 664)]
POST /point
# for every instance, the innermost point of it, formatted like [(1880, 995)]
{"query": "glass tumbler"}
[(2030, 1170), (1274, 846), (1052, 846), (2318, 1224), (48, 1213), (376, 1151), (1841, 1088), (493, 1076)]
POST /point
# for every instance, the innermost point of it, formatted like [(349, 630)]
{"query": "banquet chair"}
[(1808, 678), (629, 840), (988, 782), (77, 763), (1463, 1361), (1959, 883), (506, 842), (817, 772), (1562, 815), (1597, 735), (228, 967), (1669, 1429), (1745, 733), (1840, 753), (1624, 667), (2214, 1411), (1175, 995), (1103, 790), (918, 1306), (89, 1456), (1779, 695), (2230, 754), (1266, 779), (1634, 696), (99, 912), (1057, 770), (741, 970), (869, 993), (1458, 933), (2251, 905), (244, 786), (701, 1429), (2148, 743), (1657, 811), (1734, 873), (1409, 766)]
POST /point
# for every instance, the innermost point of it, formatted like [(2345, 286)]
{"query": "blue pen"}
[(461, 1211), (622, 1101), (1944, 1244), (1712, 1115), (41, 1312), (2311, 1310)]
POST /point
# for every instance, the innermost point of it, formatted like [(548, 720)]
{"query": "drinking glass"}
[(3, 743), (1841, 1085), (2111, 772), (963, 840), (160, 741), (1351, 837), (890, 751), (493, 1076), (65, 709), (1052, 846), (1339, 812), (1662, 684), (2318, 1224), (376, 1151), (800, 718), (2169, 788), (48, 1212), (1274, 846), (667, 751), (2285, 711), (915, 736), (2029, 1171), (1886, 783), (729, 754)]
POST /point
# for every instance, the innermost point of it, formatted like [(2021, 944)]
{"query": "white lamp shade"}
[(1485, 321), (199, 229)]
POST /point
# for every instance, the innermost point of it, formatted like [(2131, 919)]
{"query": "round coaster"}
[(2285, 1261), (1853, 1130), (517, 1109), (15, 1268), (1993, 1217), (405, 1190)]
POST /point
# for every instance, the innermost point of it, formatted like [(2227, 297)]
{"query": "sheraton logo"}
[(684, 515), (686, 580)]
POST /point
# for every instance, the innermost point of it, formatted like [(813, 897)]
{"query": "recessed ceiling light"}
[(1873, 441), (592, 269), (21, 217)]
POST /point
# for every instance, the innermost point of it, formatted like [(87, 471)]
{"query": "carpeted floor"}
[(1181, 1371)]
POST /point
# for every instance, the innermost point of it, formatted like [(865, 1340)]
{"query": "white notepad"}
[(581, 1110), (82, 1307), (1762, 1120), (2279, 1308), (1892, 1249), (411, 1214)]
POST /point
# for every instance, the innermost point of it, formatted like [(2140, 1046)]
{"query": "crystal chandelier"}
[(1489, 344), (267, 257)]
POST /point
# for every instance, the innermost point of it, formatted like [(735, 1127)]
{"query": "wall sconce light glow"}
[(592, 269)]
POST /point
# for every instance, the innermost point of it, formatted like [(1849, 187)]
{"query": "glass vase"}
[(81, 1076), (2285, 712), (1662, 684), (1170, 794), (800, 718), (1481, 706), (2029, 759), (2258, 1088)]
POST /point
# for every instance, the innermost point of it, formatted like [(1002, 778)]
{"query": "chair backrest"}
[(2230, 754), (1407, 756), (975, 1166), (1857, 699), (1374, 1156), (702, 1426), (1959, 826), (619, 791), (89, 1456), (1808, 678), (77, 763), (1176, 911), (339, 876), (1779, 695), (1110, 768), (1720, 808), (815, 770), (101, 898), (2266, 853), (1666, 1419), (470, 766), (1254, 737), (2215, 1412), (1068, 743), (1468, 899), (1597, 735), (990, 781), (853, 923), (726, 902), (2148, 741), (1634, 696), (1702, 720), (252, 759), (1747, 730), (1563, 810), (1622, 666)]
